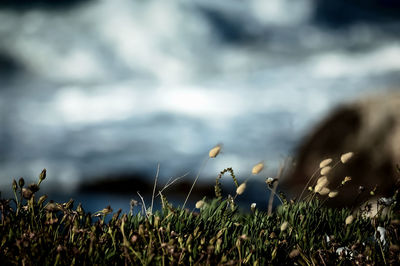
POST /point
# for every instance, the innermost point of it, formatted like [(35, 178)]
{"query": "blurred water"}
[(118, 86)]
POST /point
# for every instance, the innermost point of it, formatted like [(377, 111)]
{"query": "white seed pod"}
[(318, 188), (200, 204), (253, 206), (284, 226), (257, 168), (214, 151), (324, 191), (241, 189), (322, 181), (349, 219), (325, 170), (333, 194), (320, 185), (325, 162), (346, 157)]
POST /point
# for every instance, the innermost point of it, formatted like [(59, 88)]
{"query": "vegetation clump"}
[(302, 232)]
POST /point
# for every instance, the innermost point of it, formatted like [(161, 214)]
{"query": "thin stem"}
[(274, 194), (197, 177), (169, 184), (154, 188), (309, 180), (271, 196), (313, 176), (144, 204)]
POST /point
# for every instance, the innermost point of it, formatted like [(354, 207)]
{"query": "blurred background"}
[(100, 92)]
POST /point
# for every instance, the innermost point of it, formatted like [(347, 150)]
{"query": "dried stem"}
[(144, 204), (273, 190), (197, 177), (154, 187)]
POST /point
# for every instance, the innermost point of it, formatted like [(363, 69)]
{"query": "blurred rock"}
[(371, 129)]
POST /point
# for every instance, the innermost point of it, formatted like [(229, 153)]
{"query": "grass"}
[(304, 232)]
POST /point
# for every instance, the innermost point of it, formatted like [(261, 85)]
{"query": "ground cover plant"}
[(35, 231)]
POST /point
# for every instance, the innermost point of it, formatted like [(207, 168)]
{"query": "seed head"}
[(321, 183), (318, 188), (284, 226), (324, 191), (42, 175), (27, 193), (241, 189), (346, 157), (14, 185), (214, 151), (52, 207), (346, 179), (325, 162), (33, 187), (270, 181), (323, 180), (257, 168), (333, 194), (60, 248), (200, 204), (21, 182), (294, 253), (325, 170), (244, 237), (349, 219), (253, 206)]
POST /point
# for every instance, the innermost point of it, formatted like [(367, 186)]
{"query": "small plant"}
[(303, 232)]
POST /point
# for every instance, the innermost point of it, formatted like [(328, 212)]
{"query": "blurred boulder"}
[(371, 129)]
